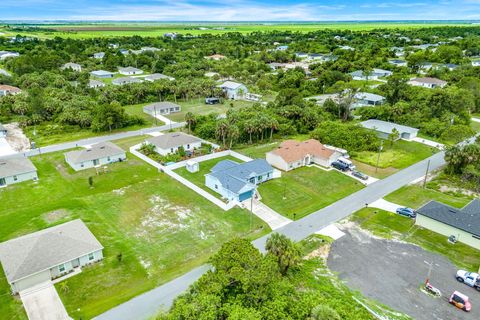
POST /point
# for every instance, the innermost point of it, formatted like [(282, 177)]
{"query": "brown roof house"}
[(6, 90), (292, 154)]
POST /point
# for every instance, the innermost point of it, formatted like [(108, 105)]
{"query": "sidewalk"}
[(429, 143), (267, 214), (385, 205)]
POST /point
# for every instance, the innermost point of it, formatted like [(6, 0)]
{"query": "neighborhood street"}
[(146, 305)]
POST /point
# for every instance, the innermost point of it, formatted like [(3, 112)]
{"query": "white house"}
[(9, 90), (161, 108), (430, 83), (5, 72), (48, 254), (8, 54), (476, 63), (292, 154), (102, 74), (15, 170), (237, 181), (94, 84), (125, 80), (158, 76), (233, 90), (99, 55), (96, 155), (374, 75), (398, 62), (215, 57), (367, 99), (129, 71), (170, 142), (73, 66), (384, 129)]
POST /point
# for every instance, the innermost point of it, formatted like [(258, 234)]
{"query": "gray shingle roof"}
[(15, 166), (42, 250), (172, 140), (369, 96), (160, 106), (126, 80), (129, 69), (466, 219), (158, 76), (230, 85), (386, 127), (97, 151), (101, 73)]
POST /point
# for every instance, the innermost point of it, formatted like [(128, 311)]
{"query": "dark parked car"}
[(360, 175), (212, 100), (340, 166), (407, 212)]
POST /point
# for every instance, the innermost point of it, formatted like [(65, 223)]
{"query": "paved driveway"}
[(43, 303), (392, 272), (267, 214)]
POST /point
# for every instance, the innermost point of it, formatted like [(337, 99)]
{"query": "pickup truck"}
[(471, 279)]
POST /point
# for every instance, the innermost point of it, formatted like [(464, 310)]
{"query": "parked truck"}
[(471, 279)]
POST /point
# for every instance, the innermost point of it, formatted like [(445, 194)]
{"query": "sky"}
[(239, 10)]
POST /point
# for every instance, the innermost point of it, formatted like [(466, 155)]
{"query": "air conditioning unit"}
[(452, 239)]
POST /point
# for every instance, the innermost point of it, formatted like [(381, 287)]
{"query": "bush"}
[(457, 133), (347, 136)]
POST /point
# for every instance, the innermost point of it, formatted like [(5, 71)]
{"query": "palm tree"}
[(285, 250), (221, 130), (233, 134), (190, 120), (250, 127)]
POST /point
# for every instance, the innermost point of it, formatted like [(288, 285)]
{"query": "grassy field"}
[(137, 110), (198, 107), (80, 31), (393, 158), (305, 190), (161, 228), (198, 178), (392, 226), (415, 196)]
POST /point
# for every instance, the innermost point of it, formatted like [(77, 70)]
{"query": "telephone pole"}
[(426, 175), (380, 148)]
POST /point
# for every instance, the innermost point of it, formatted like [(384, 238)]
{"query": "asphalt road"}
[(147, 304), (392, 272), (83, 142)]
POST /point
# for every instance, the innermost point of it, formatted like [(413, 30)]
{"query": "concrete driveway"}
[(42, 302), (392, 272), (274, 219)]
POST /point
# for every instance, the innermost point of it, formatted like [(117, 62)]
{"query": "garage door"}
[(244, 196)]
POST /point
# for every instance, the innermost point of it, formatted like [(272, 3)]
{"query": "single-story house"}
[(449, 66), (96, 84), (367, 99), (8, 54), (463, 224), (215, 57), (476, 63), (346, 48), (125, 80), (73, 66), (161, 108), (384, 129), (374, 75), (292, 154), (102, 74), (170, 142), (211, 74), (5, 90), (96, 155), (238, 181), (149, 49), (48, 254), (430, 83), (15, 170), (125, 52), (322, 98), (99, 55), (158, 76), (129, 71), (3, 131), (233, 90), (5, 73), (424, 66), (398, 62)]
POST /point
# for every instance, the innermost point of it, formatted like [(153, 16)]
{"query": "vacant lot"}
[(198, 107), (302, 191), (393, 158), (153, 228)]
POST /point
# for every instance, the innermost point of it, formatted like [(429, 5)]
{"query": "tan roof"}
[(292, 150), (429, 80), (216, 56), (4, 87)]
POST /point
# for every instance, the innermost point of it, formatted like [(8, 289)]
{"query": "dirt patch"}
[(16, 138), (56, 215), (321, 253), (468, 193)]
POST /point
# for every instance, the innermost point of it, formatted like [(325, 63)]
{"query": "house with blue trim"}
[(238, 181)]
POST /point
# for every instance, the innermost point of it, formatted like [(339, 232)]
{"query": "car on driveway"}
[(471, 279), (340, 166), (359, 175), (407, 212)]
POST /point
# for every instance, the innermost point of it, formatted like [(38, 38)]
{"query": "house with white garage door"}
[(48, 254), (15, 170), (96, 155)]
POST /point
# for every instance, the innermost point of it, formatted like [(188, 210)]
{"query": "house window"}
[(81, 164), (216, 186), (108, 158), (15, 178), (171, 149), (61, 268), (188, 146), (91, 256), (260, 178)]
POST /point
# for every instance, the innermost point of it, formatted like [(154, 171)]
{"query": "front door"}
[(2, 182), (95, 162), (76, 263)]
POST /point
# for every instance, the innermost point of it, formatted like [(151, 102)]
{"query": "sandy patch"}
[(121, 191), (466, 192), (56, 215), (16, 138)]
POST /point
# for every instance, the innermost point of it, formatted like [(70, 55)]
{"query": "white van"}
[(346, 162)]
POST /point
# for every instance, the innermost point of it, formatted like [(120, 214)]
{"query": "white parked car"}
[(469, 278)]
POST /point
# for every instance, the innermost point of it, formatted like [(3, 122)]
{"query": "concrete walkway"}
[(429, 143), (267, 214), (385, 205), (475, 119), (42, 302), (165, 119)]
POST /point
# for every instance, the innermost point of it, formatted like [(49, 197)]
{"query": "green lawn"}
[(415, 196), (305, 190), (393, 226), (258, 151), (137, 110), (475, 126), (393, 158), (198, 178), (198, 107), (161, 228)]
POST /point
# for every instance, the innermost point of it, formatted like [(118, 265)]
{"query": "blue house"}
[(238, 181)]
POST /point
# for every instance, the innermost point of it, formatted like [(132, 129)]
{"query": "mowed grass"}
[(198, 107), (393, 158), (161, 228), (304, 190), (137, 110), (393, 226), (198, 178), (414, 196)]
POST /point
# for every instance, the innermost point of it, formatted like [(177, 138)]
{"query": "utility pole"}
[(251, 211), (380, 148), (155, 113), (426, 175)]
